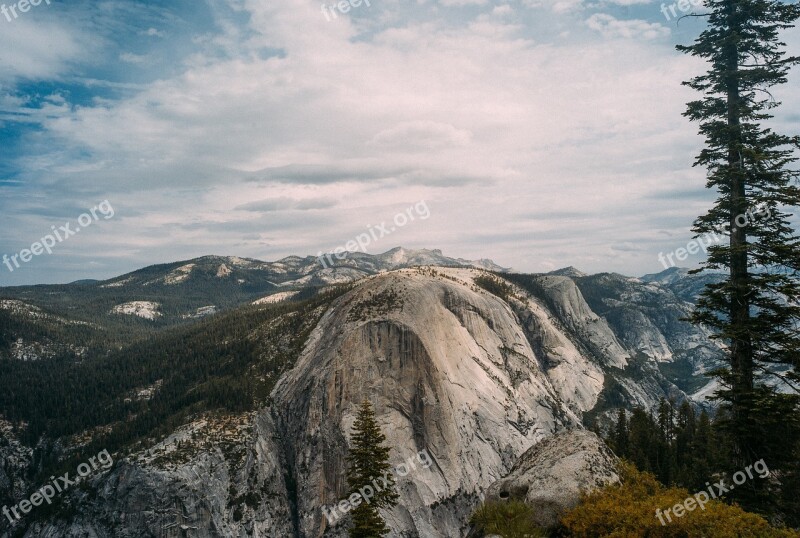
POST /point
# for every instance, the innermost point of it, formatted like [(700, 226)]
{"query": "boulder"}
[(551, 475)]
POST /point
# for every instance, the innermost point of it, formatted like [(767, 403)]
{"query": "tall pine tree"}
[(369, 468), (754, 310)]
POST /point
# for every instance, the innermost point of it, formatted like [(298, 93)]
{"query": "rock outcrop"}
[(551, 475)]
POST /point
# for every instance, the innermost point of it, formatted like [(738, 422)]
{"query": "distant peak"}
[(667, 276), (568, 271), (399, 256)]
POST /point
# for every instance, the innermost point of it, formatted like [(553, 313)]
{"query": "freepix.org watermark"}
[(685, 6), (342, 6), (23, 6), (363, 240), (714, 490), (759, 212), (46, 243), (366, 493), (57, 486)]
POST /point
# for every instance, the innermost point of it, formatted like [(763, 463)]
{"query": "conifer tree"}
[(754, 309), (369, 468), (642, 440), (620, 434), (683, 458), (664, 454)]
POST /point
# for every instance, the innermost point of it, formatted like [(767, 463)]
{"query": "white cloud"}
[(612, 28), (422, 136), (39, 49), (502, 10), (131, 58), (534, 153), (556, 6), (629, 2), (564, 6), (463, 2)]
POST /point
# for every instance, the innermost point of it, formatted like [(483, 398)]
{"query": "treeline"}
[(676, 445), (687, 449)]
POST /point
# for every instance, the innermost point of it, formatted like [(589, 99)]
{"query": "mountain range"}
[(227, 387)]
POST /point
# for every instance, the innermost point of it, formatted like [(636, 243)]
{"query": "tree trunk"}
[(741, 343)]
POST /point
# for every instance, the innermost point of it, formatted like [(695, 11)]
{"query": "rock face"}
[(210, 479), (551, 475), (648, 319), (448, 370), (15, 459)]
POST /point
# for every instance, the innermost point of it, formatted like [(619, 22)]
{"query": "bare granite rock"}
[(449, 372), (551, 474)]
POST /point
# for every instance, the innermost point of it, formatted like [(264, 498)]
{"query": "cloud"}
[(39, 49), (326, 173), (277, 132), (612, 28), (556, 6), (422, 135), (131, 58), (284, 203), (463, 2), (629, 2)]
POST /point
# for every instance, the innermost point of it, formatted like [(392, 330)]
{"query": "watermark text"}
[(46, 243), (714, 492), (363, 240), (59, 485)]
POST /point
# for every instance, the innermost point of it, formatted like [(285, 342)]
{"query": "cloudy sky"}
[(540, 133)]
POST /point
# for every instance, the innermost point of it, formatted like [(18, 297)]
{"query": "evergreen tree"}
[(704, 445), (369, 467), (642, 440), (664, 456), (754, 310), (679, 448), (685, 456), (620, 434)]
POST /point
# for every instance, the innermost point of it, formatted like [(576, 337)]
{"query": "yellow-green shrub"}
[(508, 519), (628, 510)]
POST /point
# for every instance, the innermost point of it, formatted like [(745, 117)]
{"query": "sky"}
[(537, 133)]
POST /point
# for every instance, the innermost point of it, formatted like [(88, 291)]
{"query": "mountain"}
[(682, 283), (568, 271), (143, 302), (236, 423), (225, 281)]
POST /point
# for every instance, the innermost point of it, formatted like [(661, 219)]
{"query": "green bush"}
[(508, 519)]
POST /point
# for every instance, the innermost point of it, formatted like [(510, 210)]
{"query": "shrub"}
[(508, 519), (628, 510)]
